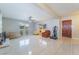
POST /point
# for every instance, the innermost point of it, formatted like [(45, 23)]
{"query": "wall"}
[(0, 23), (75, 26), (10, 25)]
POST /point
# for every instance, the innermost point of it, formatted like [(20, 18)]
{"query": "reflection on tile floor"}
[(36, 45)]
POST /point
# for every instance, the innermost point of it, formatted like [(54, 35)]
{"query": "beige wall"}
[(75, 26)]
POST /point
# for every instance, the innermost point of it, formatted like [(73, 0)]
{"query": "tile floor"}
[(36, 45)]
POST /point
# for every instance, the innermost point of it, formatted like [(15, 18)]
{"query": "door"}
[(66, 28)]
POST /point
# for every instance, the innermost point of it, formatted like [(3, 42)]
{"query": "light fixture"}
[(32, 19), (27, 25)]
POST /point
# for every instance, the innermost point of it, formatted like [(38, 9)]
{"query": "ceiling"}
[(22, 11), (64, 9)]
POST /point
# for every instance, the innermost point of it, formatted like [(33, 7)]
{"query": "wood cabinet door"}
[(66, 28)]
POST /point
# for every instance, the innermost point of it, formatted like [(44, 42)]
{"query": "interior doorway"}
[(24, 30), (67, 28)]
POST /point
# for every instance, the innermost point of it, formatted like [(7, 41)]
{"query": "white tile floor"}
[(36, 45)]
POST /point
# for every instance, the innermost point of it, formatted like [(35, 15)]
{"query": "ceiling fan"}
[(31, 19)]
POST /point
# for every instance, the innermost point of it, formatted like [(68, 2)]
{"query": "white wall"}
[(0, 23), (11, 25)]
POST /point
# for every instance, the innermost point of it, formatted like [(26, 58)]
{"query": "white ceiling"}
[(64, 9), (23, 11)]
